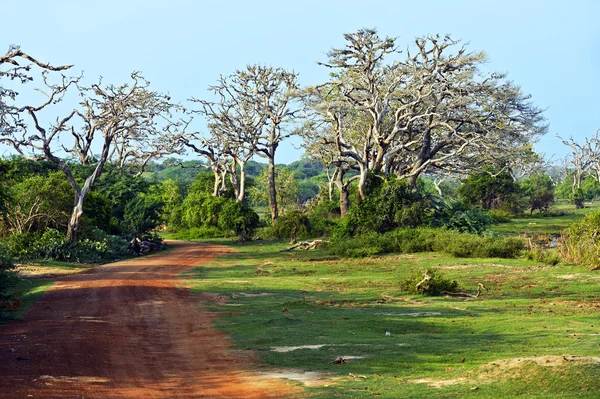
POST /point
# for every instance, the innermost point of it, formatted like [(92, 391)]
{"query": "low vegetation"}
[(361, 329)]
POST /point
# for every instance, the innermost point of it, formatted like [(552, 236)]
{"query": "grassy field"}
[(300, 311), (538, 224)]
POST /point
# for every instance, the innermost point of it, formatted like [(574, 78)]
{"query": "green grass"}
[(30, 291), (308, 298), (539, 225)]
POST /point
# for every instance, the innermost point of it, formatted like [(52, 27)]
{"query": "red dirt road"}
[(125, 330)]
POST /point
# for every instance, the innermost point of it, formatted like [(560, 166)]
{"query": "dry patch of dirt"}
[(414, 314), (504, 368), (285, 349), (459, 267), (307, 378), (546, 361), (45, 272), (439, 383), (212, 297), (249, 295)]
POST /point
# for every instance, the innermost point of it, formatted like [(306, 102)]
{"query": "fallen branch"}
[(426, 278), (305, 245), (480, 287)]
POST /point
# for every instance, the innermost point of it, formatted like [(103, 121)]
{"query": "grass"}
[(551, 225), (30, 291), (279, 299)]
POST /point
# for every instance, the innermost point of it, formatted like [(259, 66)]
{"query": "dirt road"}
[(125, 330)]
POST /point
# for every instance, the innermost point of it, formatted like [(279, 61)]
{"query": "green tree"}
[(286, 187), (38, 202), (539, 191), (491, 190)]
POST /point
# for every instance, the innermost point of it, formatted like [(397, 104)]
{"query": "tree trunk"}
[(217, 185), (73, 227), (412, 181), (272, 189), (362, 182), (242, 183), (330, 183), (343, 190)]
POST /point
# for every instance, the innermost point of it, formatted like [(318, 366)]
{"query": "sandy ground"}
[(125, 330)]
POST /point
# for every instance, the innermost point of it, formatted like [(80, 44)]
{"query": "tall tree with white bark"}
[(273, 93), (124, 122), (433, 110), (584, 158), (235, 123)]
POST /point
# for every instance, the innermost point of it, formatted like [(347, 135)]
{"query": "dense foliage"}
[(425, 239), (581, 242)]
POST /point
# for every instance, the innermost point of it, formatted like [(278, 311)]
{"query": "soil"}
[(128, 330)]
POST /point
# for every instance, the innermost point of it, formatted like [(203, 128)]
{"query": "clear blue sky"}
[(550, 48)]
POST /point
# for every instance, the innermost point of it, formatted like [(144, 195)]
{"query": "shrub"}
[(238, 217), (97, 247), (19, 245), (391, 204), (459, 216), (500, 216), (292, 224), (322, 226), (426, 240), (580, 242), (9, 301), (543, 256), (430, 282), (197, 233)]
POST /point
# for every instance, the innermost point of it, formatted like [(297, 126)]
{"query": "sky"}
[(550, 48)]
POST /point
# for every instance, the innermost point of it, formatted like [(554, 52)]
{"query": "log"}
[(305, 245)]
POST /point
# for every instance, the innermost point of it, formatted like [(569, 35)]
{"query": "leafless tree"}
[(434, 110), (117, 119), (273, 93), (214, 149), (583, 158), (319, 144), (235, 123), (17, 66)]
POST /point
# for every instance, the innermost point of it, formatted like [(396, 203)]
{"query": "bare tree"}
[(17, 66), (129, 115), (594, 144), (583, 158), (319, 144), (235, 123), (432, 110), (272, 92), (214, 149)]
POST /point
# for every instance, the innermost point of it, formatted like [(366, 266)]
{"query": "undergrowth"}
[(427, 240)]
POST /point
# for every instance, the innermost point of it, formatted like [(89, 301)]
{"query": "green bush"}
[(9, 301), (292, 224), (461, 217), (19, 245), (391, 204), (97, 247), (581, 242), (197, 233), (436, 284), (239, 218), (426, 240), (500, 216), (543, 256), (322, 226)]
